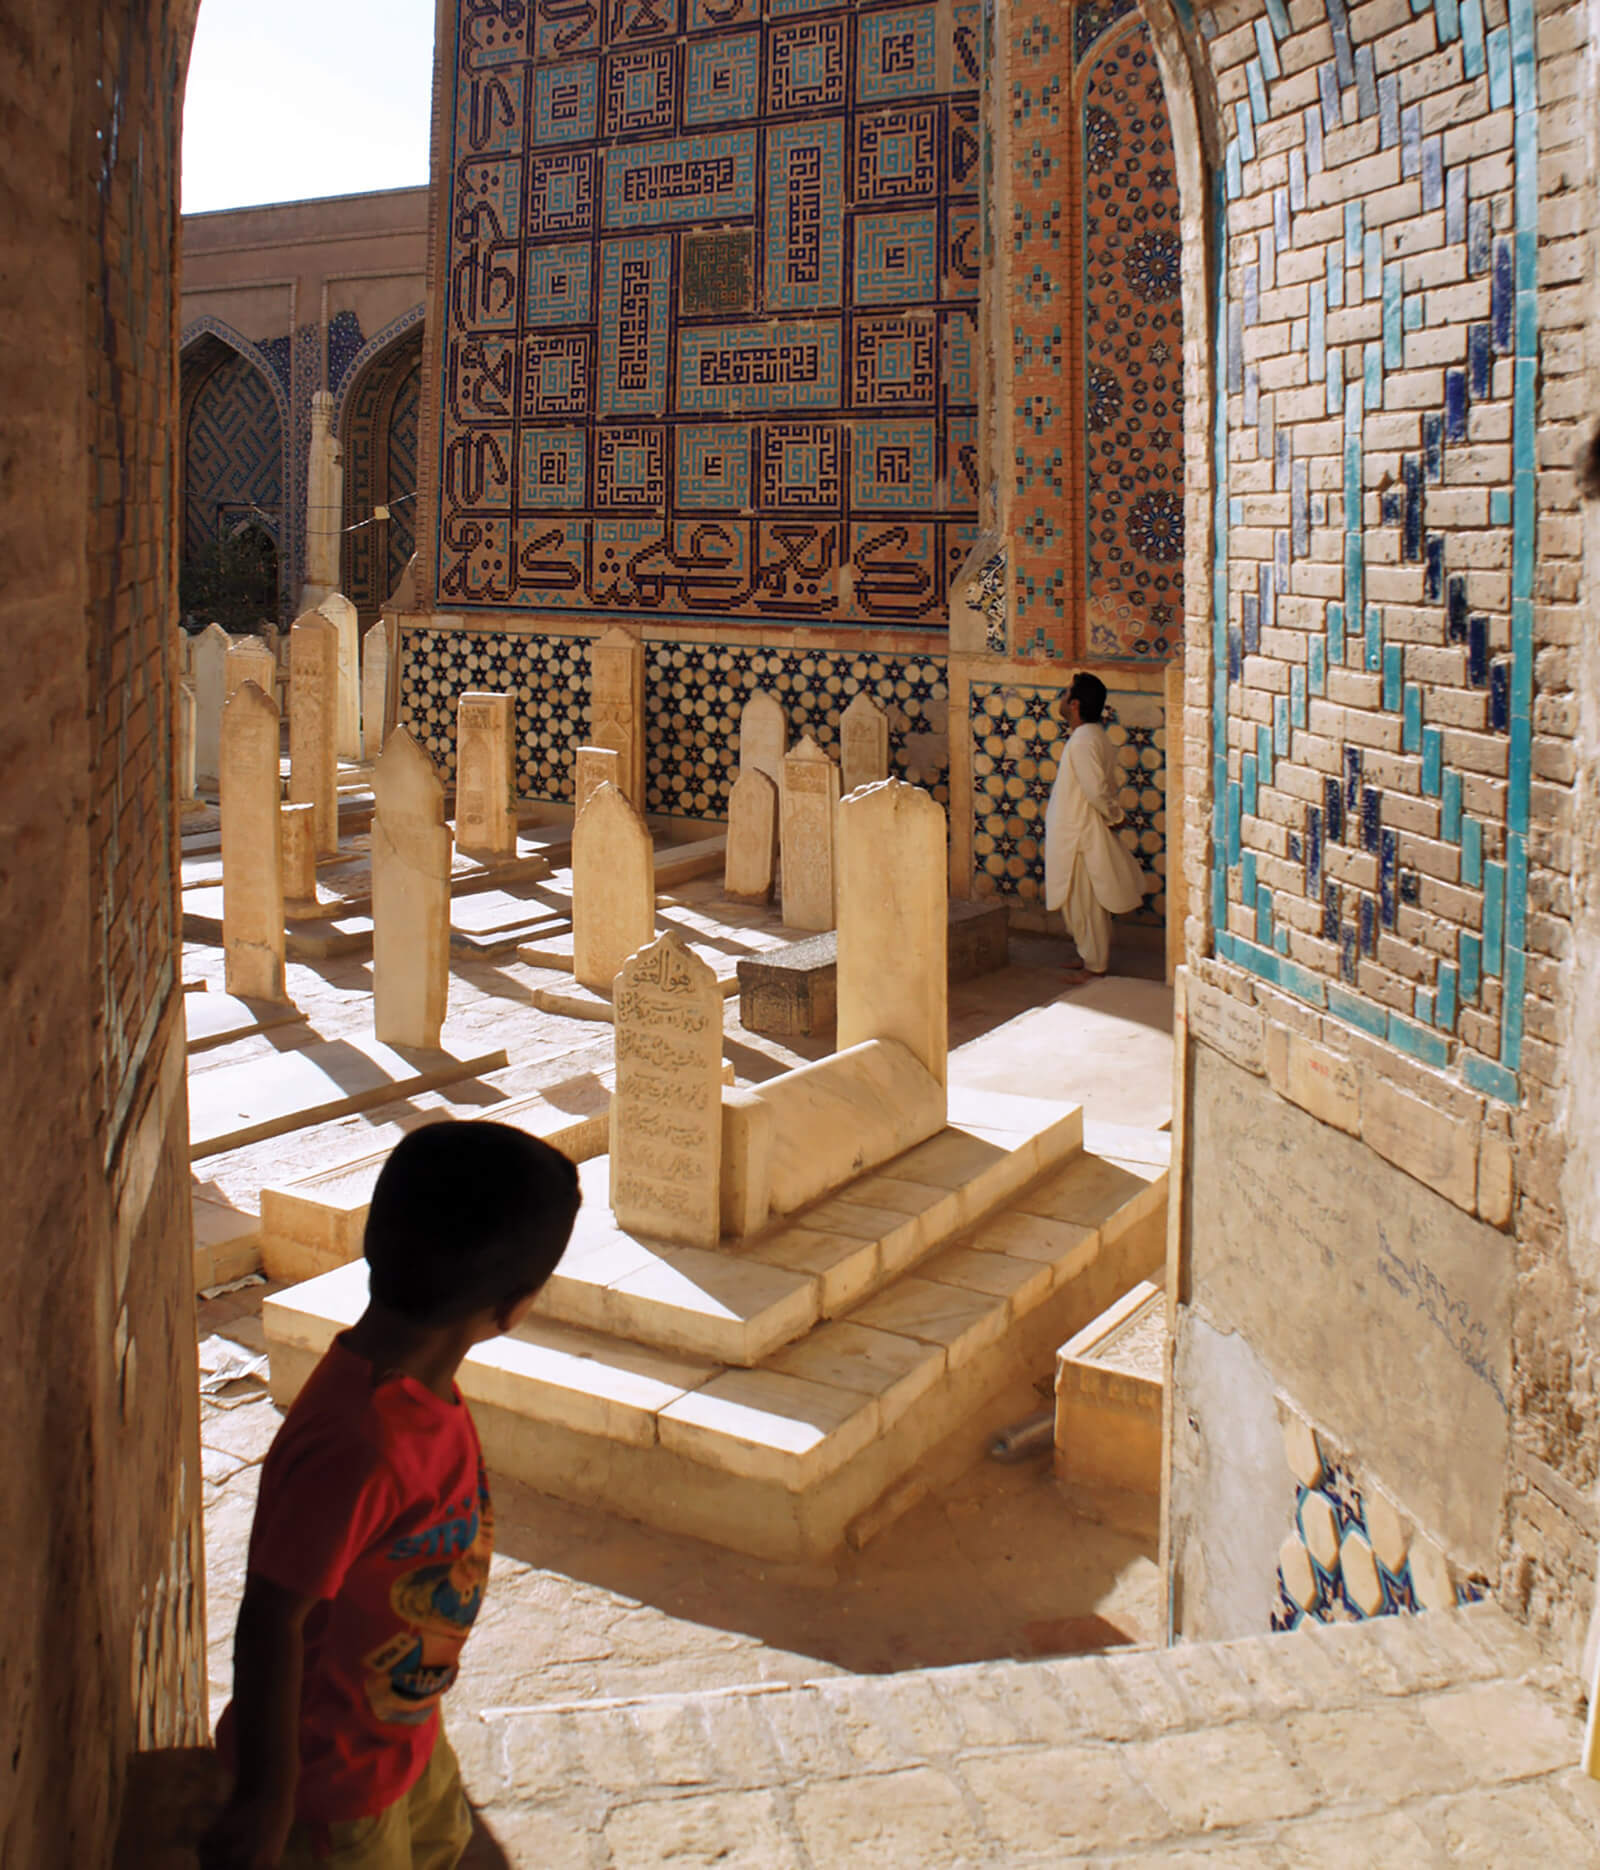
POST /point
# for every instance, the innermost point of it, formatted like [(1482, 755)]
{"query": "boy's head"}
[(467, 1218), (1089, 693)]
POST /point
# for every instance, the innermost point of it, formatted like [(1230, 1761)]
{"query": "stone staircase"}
[(1436, 1739), (776, 1395)]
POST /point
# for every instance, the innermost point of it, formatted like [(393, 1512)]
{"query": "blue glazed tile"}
[(1422, 1006), (1280, 725), (1374, 639), (1393, 506), (1247, 878), (1456, 622), (1251, 606), (1235, 350), (1444, 1006), (1388, 865), (1336, 632), (1258, 90), (1411, 307), (1472, 853), (1372, 375), (1349, 1006), (1331, 899), (1411, 529), (1278, 13), (1394, 353), (1411, 141), (1472, 38), (1335, 274), (1492, 1079), (1369, 926), (1301, 982), (1233, 826), (1501, 295), (1372, 263), (1252, 297), (1500, 697), (1480, 361), (1263, 913), (1317, 333), (1280, 564), (1353, 219), (1246, 125), (1494, 909), (1418, 1041), (1283, 455), (1433, 447), (1267, 49), (1471, 966), (1266, 587), (1432, 760), (1252, 395), (1317, 665), (1335, 397), (1522, 541), (1297, 180), (1522, 55), (1499, 48), (1512, 1004), (1450, 815), (1527, 315), (1235, 170), (1264, 753), (1313, 139), (1236, 510), (1516, 890), (1455, 206), (1448, 15), (1411, 729), (1477, 651), (1479, 244), (1352, 777), (1432, 174), (1344, 61), (1366, 82), (1296, 850), (1393, 676), (1371, 818), (1280, 219), (1248, 785), (1260, 961), (1300, 507), (1235, 654), (1313, 851), (1280, 941), (1433, 578), (1388, 111), (1333, 810), (1410, 887), (1455, 405), (1328, 89)]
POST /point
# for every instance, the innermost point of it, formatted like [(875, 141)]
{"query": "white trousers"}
[(1087, 923)]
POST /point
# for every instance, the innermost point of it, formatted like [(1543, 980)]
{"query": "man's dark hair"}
[(466, 1216), (1090, 694)]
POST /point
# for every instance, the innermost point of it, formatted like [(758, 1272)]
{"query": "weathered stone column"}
[(341, 613), (486, 819), (666, 1112), (324, 504), (410, 897), (616, 705), (252, 878), (596, 767), (299, 857), (313, 700), (613, 888), (752, 836), (249, 659), (374, 689), (863, 744), (809, 798), (893, 979)]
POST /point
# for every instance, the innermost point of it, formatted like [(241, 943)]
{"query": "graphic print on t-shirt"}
[(438, 1601)]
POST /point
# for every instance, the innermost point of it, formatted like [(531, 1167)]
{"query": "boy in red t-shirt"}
[(373, 1529)]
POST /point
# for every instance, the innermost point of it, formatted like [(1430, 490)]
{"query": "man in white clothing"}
[(1089, 873)]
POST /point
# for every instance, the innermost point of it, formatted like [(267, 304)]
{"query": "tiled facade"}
[(706, 331), (232, 447), (377, 415)]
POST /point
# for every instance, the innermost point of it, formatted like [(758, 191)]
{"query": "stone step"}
[(839, 1391), (213, 1019), (238, 1104), (1109, 1389)]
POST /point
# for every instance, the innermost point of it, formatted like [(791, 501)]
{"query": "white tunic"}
[(1078, 823)]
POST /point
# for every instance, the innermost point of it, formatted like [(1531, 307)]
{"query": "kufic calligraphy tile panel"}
[(675, 227)]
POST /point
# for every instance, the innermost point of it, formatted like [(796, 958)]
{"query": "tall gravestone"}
[(666, 1112), (763, 736), (613, 888), (252, 877), (808, 801), (863, 744), (341, 613), (486, 821), (374, 689), (616, 705), (299, 857), (208, 663), (752, 837), (249, 659), (410, 896), (893, 871), (184, 737), (313, 704), (596, 767)]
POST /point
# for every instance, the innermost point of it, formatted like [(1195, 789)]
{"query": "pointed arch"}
[(376, 420)]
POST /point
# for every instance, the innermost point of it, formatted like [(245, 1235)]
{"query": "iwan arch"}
[(1383, 1226)]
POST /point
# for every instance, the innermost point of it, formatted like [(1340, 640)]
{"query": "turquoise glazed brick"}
[(1513, 1002), (1422, 1005), (1494, 909), (1471, 966), (1411, 731), (1317, 667), (1247, 877), (1433, 763), (1358, 1012), (1492, 1079), (1393, 676), (1258, 90), (1233, 826), (1499, 45), (1267, 50), (1235, 170), (1500, 507), (1374, 639), (1297, 696), (1448, 15), (1472, 853), (1450, 821), (1335, 633), (1247, 785), (1247, 129), (1280, 940), (1418, 1041), (1264, 754), (1263, 913), (1372, 364), (1394, 349), (1444, 1005), (1472, 38), (1280, 725)]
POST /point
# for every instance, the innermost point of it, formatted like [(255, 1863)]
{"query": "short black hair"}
[(1090, 694), (466, 1216)]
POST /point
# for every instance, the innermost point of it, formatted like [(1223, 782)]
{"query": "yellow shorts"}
[(428, 1829)]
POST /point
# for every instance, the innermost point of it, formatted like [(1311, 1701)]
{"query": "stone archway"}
[(231, 454), (379, 435)]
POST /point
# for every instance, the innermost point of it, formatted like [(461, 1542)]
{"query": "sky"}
[(304, 98)]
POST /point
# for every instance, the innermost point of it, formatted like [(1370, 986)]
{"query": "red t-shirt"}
[(374, 1500)]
